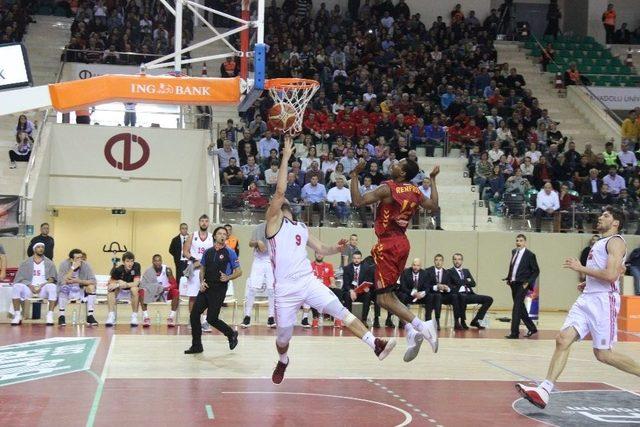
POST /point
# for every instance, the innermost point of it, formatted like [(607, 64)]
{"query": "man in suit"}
[(591, 186), (438, 285), (175, 249), (523, 272), (462, 283), (413, 289), (353, 275)]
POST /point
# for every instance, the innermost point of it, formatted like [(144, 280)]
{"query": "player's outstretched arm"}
[(323, 249), (369, 198), (616, 249), (431, 204), (274, 212)]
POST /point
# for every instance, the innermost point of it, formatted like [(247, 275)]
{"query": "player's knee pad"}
[(284, 335)]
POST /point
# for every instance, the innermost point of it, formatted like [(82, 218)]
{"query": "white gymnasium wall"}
[(173, 178)]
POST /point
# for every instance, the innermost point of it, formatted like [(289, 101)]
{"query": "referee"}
[(219, 265)]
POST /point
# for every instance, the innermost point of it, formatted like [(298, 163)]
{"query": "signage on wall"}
[(14, 66), (127, 161)]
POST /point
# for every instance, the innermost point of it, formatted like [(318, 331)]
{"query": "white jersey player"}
[(295, 283), (596, 310), (194, 247), (261, 278)]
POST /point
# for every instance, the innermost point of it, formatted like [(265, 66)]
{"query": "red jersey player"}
[(398, 200)]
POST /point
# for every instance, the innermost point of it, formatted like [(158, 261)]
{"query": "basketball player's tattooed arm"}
[(274, 212), (616, 249), (324, 249), (382, 193), (431, 204)]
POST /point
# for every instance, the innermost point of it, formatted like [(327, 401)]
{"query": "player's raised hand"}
[(341, 244), (572, 264), (360, 167), (287, 150), (435, 171)]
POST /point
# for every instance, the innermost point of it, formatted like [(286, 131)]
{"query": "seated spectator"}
[(313, 195), (225, 154), (527, 169), (229, 68), (627, 159), (548, 55), (592, 184), (266, 144), (76, 281), (271, 174), (629, 206), (614, 181), (413, 288), (340, 199), (25, 125), (254, 198), (567, 205), (517, 183), (21, 152), (547, 204), (355, 274), (251, 171), (232, 174), (314, 170), (435, 133), (338, 173), (329, 164), (158, 284), (349, 161), (293, 194), (36, 276), (495, 153), (461, 282), (504, 136), (623, 35), (515, 80), (495, 184), (366, 187), (572, 76), (542, 173), (602, 197), (312, 156)]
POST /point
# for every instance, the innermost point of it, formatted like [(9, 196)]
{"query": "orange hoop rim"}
[(291, 83)]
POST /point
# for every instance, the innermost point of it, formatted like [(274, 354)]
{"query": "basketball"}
[(281, 117)]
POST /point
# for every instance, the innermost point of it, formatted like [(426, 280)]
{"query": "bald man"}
[(413, 287)]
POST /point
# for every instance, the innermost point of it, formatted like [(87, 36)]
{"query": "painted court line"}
[(209, 410), (91, 419), (495, 365)]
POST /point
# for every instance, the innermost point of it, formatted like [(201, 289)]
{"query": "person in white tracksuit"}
[(261, 278)]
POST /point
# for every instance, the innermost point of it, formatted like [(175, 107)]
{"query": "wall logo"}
[(85, 74), (45, 358), (586, 408), (126, 163)]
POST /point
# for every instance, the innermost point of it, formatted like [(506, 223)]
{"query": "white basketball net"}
[(294, 95)]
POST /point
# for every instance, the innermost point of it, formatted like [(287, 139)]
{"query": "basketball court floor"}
[(81, 376)]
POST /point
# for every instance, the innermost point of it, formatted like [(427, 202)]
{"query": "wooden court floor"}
[(81, 376)]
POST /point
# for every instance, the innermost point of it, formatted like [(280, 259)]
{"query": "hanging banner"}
[(616, 98), (9, 214)]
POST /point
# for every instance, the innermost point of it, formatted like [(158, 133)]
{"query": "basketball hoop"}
[(291, 97)]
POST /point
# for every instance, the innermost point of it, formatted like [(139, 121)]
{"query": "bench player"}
[(194, 247), (76, 281), (156, 281), (295, 283)]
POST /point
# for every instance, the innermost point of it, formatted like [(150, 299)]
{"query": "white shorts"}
[(261, 276), (48, 291), (289, 297), (71, 292), (193, 284), (596, 314)]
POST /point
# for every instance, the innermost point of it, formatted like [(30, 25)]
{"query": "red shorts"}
[(390, 255)]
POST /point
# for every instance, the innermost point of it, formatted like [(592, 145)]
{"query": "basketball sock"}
[(61, 311), (172, 314), (284, 358), (547, 386), (305, 315), (370, 340), (91, 301), (145, 313), (417, 323), (203, 318)]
